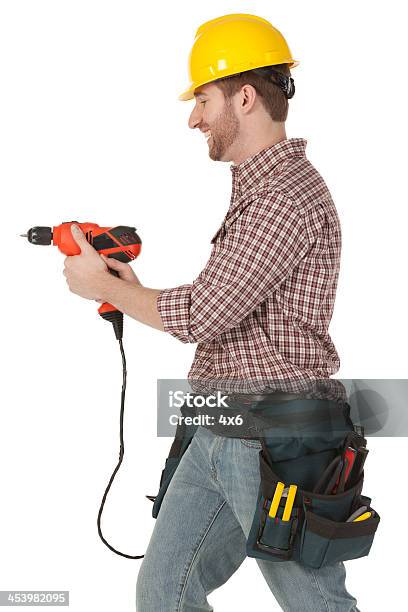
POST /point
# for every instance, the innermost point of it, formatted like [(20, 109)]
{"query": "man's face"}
[(215, 117)]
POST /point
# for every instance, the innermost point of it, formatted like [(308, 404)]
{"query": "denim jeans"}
[(199, 538)]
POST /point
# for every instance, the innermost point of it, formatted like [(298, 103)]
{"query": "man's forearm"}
[(132, 299)]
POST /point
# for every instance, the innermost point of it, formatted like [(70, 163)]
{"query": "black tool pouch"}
[(324, 541), (182, 440), (317, 532)]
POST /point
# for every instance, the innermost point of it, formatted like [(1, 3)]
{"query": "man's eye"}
[(203, 101)]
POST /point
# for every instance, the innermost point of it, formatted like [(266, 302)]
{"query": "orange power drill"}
[(120, 242)]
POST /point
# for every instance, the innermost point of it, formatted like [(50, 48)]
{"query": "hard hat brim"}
[(188, 94)]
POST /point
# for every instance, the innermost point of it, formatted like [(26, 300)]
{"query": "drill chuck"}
[(39, 235)]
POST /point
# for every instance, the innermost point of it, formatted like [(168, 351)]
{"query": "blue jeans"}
[(199, 538)]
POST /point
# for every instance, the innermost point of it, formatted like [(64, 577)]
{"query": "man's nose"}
[(195, 118)]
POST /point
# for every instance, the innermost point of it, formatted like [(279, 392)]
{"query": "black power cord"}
[(121, 454)]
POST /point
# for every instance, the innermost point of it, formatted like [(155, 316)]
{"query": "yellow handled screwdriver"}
[(289, 502), (276, 499), (363, 517)]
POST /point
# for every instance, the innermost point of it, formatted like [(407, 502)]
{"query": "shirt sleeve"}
[(244, 269)]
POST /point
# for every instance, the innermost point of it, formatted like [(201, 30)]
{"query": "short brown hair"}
[(273, 98)]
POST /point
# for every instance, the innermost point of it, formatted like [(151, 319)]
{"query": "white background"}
[(91, 129)]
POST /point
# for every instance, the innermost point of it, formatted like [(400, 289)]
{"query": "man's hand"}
[(87, 274), (125, 271)]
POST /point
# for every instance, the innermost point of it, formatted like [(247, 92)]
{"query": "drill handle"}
[(112, 314), (105, 307)]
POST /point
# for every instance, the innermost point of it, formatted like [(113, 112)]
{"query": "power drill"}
[(120, 242)]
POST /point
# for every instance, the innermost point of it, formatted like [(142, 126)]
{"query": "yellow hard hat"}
[(232, 44)]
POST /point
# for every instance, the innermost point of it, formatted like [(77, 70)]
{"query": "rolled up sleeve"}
[(242, 272), (174, 309)]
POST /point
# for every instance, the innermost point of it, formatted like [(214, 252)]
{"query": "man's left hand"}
[(86, 274)]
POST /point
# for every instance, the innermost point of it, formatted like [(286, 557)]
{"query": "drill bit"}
[(24, 235)]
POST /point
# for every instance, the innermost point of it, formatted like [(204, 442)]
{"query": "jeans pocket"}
[(325, 542)]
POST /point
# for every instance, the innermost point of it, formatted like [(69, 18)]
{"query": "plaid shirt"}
[(261, 308)]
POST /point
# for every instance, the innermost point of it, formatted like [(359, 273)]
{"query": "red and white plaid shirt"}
[(261, 308)]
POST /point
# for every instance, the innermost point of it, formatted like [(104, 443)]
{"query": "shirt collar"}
[(254, 168)]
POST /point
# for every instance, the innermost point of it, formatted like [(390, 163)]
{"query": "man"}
[(258, 311)]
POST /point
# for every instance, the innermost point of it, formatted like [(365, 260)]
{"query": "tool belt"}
[(310, 506), (182, 440)]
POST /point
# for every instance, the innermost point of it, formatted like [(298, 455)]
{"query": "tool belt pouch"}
[(182, 440), (317, 532), (324, 541)]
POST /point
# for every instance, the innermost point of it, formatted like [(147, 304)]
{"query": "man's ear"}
[(247, 98)]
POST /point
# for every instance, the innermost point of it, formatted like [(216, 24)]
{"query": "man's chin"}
[(216, 155)]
